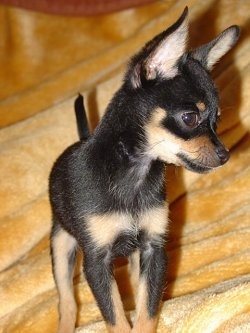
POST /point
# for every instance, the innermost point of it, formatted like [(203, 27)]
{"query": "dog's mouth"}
[(194, 165), (204, 165)]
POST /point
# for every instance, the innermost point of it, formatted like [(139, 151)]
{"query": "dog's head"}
[(181, 124)]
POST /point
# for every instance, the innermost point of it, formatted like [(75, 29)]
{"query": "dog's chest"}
[(123, 232)]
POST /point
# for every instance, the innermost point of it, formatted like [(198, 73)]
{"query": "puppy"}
[(108, 193)]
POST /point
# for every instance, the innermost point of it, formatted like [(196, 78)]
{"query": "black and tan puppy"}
[(108, 194)]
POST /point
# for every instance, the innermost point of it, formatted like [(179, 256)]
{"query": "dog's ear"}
[(160, 55), (210, 53)]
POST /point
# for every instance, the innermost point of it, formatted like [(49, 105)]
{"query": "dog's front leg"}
[(151, 284), (98, 271)]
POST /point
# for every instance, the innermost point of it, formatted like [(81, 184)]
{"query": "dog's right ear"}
[(159, 57)]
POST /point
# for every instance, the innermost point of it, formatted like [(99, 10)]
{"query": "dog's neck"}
[(141, 185), (126, 172)]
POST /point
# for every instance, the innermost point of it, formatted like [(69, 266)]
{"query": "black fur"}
[(81, 119), (120, 168)]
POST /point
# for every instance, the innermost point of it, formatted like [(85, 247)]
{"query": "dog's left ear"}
[(160, 56), (210, 53)]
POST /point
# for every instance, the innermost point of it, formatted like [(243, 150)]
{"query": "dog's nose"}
[(223, 154)]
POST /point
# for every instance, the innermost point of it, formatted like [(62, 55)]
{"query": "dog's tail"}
[(81, 119)]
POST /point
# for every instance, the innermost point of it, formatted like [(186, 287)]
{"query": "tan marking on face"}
[(161, 143), (201, 106), (195, 146), (166, 146), (202, 151), (143, 323), (121, 323), (62, 244), (104, 229), (155, 221)]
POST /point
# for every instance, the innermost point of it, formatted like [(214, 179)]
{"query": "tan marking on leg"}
[(134, 271), (155, 221), (143, 323), (121, 325), (104, 229), (201, 106), (62, 243)]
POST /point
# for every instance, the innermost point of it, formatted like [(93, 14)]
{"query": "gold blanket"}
[(45, 61)]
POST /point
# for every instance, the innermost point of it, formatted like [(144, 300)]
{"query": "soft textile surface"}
[(75, 7), (45, 61)]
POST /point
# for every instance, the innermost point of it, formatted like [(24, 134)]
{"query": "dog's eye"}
[(191, 119)]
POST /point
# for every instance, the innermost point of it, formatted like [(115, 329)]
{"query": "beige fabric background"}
[(45, 61), (75, 7)]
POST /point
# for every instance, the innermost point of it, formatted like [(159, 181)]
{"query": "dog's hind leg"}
[(63, 249)]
